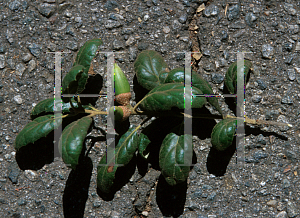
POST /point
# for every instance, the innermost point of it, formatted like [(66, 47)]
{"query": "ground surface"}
[(34, 185)]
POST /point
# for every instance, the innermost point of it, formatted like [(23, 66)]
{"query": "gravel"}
[(34, 184)]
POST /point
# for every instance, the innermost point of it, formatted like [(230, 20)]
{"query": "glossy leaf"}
[(86, 53), (47, 106), (169, 95), (177, 76), (223, 133), (75, 80), (124, 152), (36, 129), (151, 69), (142, 146), (231, 75), (72, 139), (172, 158)]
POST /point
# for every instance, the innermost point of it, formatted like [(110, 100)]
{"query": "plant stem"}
[(95, 112), (259, 122), (135, 107)]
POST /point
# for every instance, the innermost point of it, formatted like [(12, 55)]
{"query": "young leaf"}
[(86, 53), (223, 133), (47, 106), (72, 139), (177, 76), (151, 69), (171, 158), (169, 95), (123, 153), (36, 129), (75, 80), (231, 75), (142, 146)]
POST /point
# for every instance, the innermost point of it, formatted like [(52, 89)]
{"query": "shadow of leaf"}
[(122, 176), (170, 199), (76, 189)]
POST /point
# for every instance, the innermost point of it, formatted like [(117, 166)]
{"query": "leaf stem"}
[(259, 122), (135, 107)]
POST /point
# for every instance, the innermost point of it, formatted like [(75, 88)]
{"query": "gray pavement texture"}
[(34, 184)]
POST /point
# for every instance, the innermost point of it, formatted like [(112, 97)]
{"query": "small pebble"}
[(111, 5), (289, 59), (31, 175), (31, 65), (143, 46), (217, 78), (72, 45), (182, 19), (261, 84), (14, 5), (211, 10), (97, 203), (291, 74), (46, 9), (110, 24), (21, 202), (260, 155), (291, 209), (288, 46), (250, 18), (267, 51), (166, 29), (286, 183), (18, 99), (290, 9), (145, 213), (272, 203), (117, 45), (35, 49), (26, 57), (233, 12), (287, 99), (20, 68), (2, 49), (206, 52), (256, 98), (281, 214), (224, 35), (176, 24), (132, 54), (2, 61), (130, 41)]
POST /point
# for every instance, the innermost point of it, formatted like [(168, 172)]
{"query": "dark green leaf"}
[(172, 158), (47, 106), (177, 76), (124, 152), (72, 139), (36, 129), (223, 133), (151, 69), (86, 53), (142, 146), (169, 95), (231, 75), (74, 82)]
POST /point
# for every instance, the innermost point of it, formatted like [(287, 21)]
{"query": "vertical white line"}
[(240, 110), (57, 104), (188, 139), (110, 137)]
